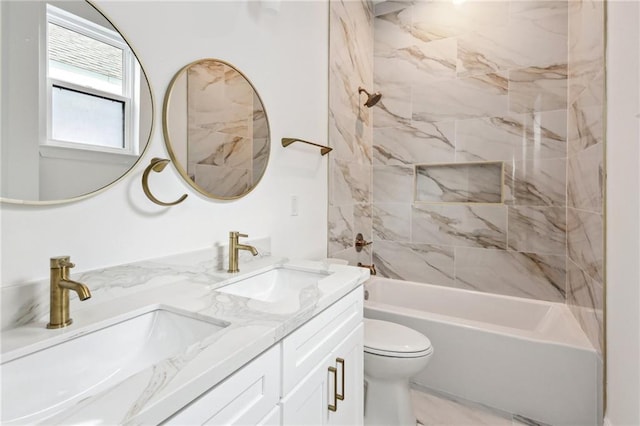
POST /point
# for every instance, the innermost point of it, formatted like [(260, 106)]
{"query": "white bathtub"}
[(522, 356)]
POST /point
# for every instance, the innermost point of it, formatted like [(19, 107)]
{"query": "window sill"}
[(80, 154)]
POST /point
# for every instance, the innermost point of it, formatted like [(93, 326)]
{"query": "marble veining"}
[(585, 127), (391, 221), (392, 184), (438, 20), (538, 229), (461, 183), (416, 143), (434, 60), (585, 241), (363, 220), (516, 137), (478, 96), (536, 183), (484, 51), (350, 140), (392, 31), (340, 227), (585, 299), (434, 408), (585, 166), (350, 182), (438, 408), (530, 275), (425, 263), (586, 43), (351, 63), (535, 34), (538, 88), (460, 225), (585, 185), (395, 108)]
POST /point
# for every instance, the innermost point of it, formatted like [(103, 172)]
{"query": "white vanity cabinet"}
[(322, 366), (294, 382), (245, 398), (342, 389)]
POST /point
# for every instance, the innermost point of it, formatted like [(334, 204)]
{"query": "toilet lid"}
[(395, 340)]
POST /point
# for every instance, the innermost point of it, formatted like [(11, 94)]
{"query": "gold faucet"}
[(60, 286), (234, 247), (371, 268)]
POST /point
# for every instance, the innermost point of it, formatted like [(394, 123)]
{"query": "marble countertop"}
[(153, 394)]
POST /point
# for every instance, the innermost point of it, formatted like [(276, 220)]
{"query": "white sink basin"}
[(274, 285), (42, 383)]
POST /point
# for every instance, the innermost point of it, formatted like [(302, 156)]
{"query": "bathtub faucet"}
[(371, 268)]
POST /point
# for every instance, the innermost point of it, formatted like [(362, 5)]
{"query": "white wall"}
[(20, 70), (285, 57), (623, 213)]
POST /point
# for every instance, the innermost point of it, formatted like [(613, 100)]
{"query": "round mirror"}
[(77, 109), (216, 129)]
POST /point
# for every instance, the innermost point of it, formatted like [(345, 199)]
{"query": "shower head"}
[(372, 98)]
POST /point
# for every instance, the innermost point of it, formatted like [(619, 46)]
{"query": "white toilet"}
[(393, 354)]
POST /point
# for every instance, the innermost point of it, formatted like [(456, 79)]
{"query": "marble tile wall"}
[(459, 183), (476, 82), (585, 167), (351, 129), (519, 82)]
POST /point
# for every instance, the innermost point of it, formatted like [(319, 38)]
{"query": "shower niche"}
[(459, 183)]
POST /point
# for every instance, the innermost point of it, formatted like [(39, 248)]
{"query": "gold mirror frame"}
[(151, 119), (219, 151)]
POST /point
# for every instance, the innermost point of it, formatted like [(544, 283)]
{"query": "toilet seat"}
[(394, 340)]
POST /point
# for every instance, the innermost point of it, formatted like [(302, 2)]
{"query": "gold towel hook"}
[(157, 165), (323, 149)]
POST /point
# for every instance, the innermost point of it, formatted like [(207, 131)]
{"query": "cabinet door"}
[(306, 404), (303, 349), (348, 360), (337, 381)]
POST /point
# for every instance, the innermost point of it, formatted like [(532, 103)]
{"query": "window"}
[(92, 86)]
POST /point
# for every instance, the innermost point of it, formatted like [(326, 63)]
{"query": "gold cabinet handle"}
[(334, 371), (338, 395), (157, 165)]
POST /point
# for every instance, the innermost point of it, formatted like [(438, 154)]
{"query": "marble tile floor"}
[(433, 408)]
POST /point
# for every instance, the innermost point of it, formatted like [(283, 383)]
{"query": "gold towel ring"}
[(157, 165)]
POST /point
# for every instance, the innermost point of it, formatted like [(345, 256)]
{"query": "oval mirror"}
[(216, 129), (77, 109)]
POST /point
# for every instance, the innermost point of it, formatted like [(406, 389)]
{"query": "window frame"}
[(130, 96)]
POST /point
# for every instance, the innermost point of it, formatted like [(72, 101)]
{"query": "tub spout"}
[(371, 268)]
